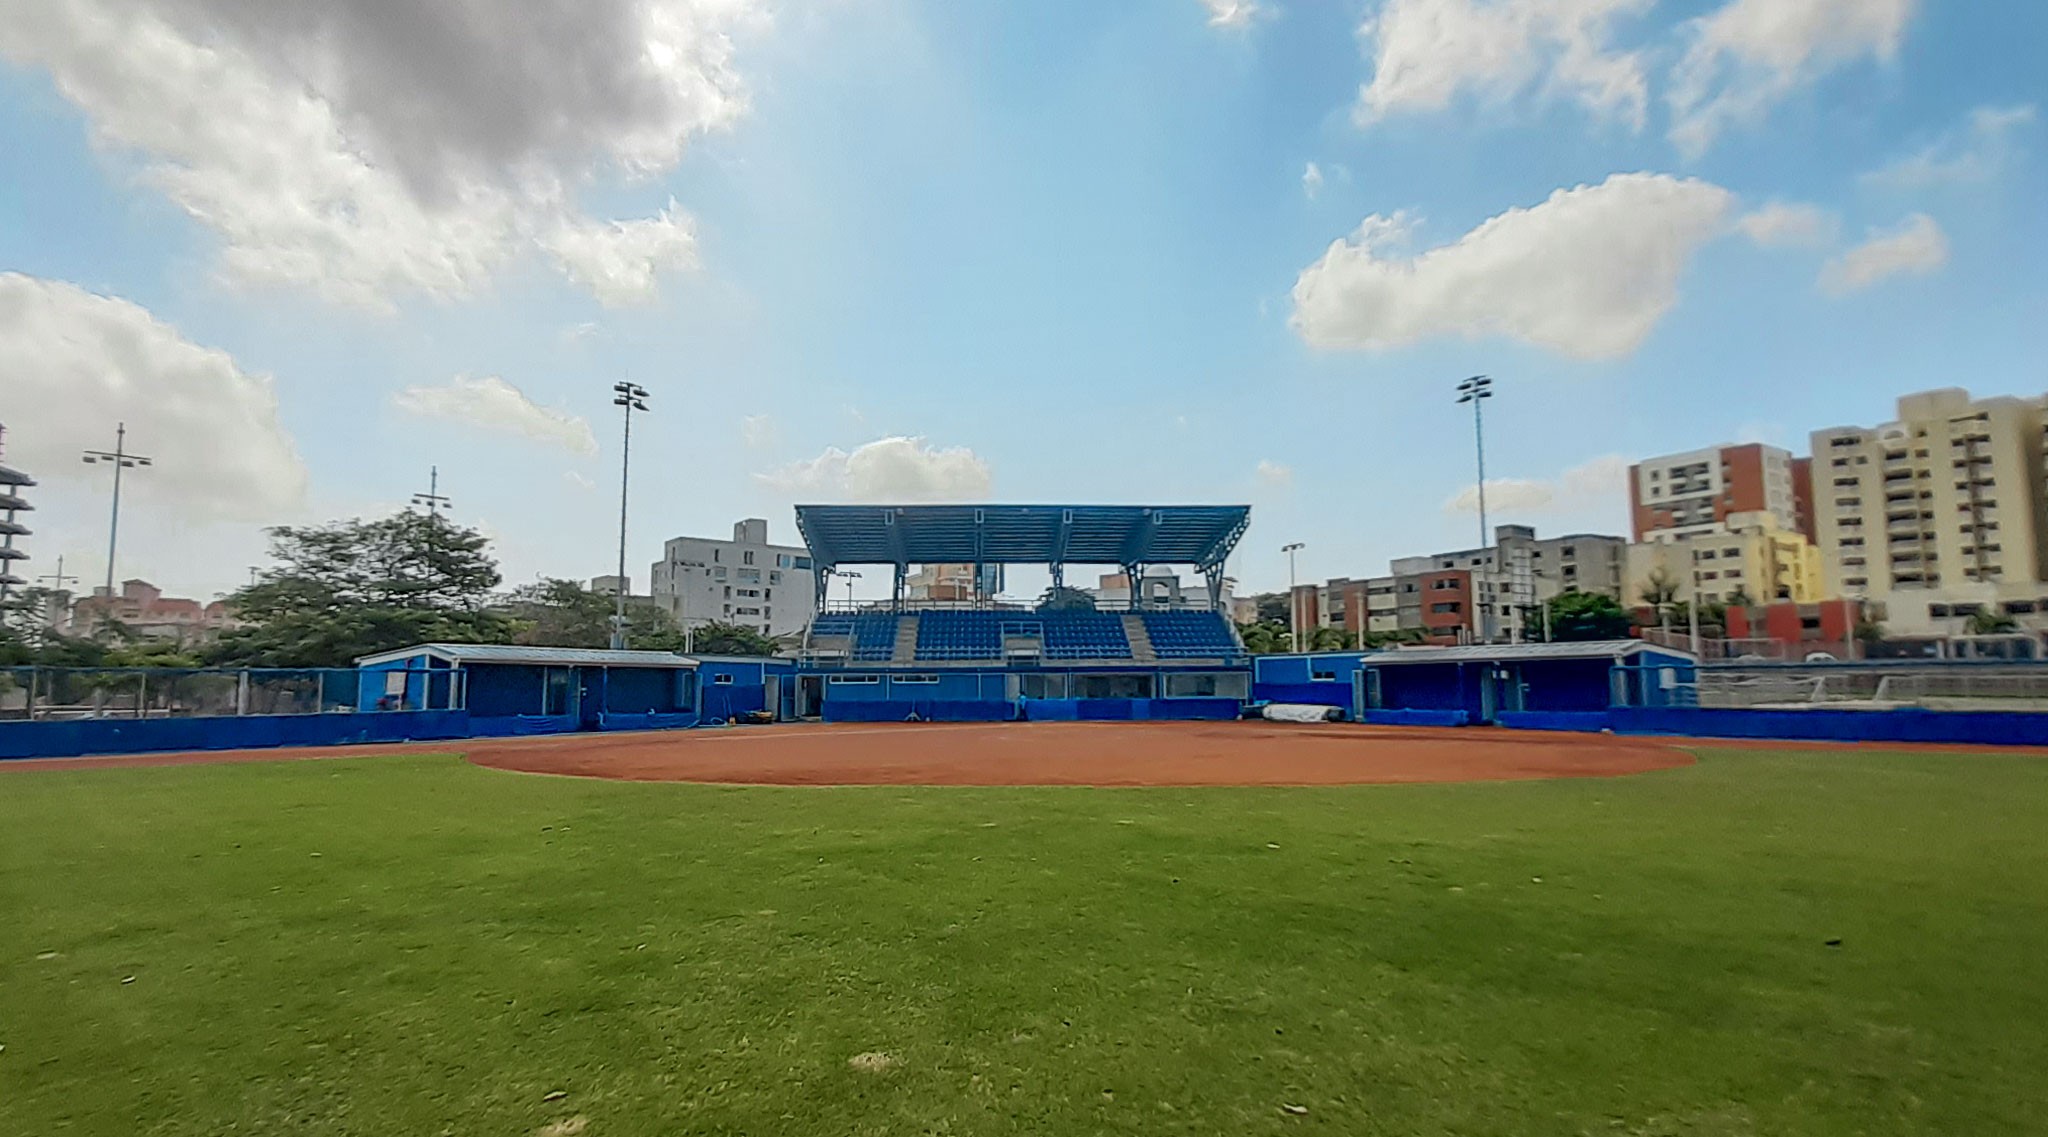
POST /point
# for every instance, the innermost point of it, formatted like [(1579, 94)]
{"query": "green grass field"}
[(411, 946)]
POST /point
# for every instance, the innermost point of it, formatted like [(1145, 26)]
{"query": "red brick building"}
[(1697, 491)]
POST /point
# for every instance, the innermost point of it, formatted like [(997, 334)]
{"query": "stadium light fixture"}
[(631, 397), (1476, 391), (120, 459)]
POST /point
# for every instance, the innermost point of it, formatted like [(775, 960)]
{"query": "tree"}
[(1264, 637), (1660, 591), (1329, 639), (355, 588), (563, 613), (1062, 598), (1989, 622), (1740, 598), (1273, 608), (729, 639), (1580, 616)]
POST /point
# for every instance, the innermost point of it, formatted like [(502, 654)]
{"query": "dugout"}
[(1481, 682), (510, 689)]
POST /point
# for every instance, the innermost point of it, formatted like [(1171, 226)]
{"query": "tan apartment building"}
[(1940, 514), (1749, 557)]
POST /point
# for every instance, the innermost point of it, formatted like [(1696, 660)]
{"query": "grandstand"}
[(991, 651)]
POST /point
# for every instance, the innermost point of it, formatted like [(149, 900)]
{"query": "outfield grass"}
[(411, 946)]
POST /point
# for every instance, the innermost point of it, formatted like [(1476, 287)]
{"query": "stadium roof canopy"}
[(1199, 535)]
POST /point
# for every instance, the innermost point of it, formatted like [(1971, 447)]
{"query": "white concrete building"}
[(744, 581)]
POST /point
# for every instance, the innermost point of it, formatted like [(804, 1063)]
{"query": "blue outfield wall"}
[(74, 737), (1990, 728), (1417, 716), (1315, 680)]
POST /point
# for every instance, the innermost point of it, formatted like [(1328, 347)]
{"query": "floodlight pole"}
[(121, 460), (1293, 602), (632, 398)]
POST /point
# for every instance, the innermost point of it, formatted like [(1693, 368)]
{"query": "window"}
[(714, 556), (853, 679), (1227, 686), (1445, 585), (747, 557), (718, 573), (1322, 675), (721, 680), (803, 563), (913, 679), (1112, 686), (1447, 607), (782, 560), (774, 577)]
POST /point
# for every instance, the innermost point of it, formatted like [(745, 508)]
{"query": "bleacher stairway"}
[(1141, 640), (906, 639)]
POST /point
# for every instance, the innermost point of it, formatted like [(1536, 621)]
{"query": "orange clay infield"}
[(1025, 754)]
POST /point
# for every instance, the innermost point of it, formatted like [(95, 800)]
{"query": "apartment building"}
[(953, 583), (1746, 558), (143, 610), (1441, 606), (1520, 570), (1699, 490), (1941, 514), (745, 581)]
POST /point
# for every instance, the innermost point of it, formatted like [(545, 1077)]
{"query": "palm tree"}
[(1989, 622)]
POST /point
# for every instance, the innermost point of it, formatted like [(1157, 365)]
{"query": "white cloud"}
[(1273, 475), (1231, 13), (1603, 481), (1588, 273), (579, 480), (368, 151), (1917, 246), (1781, 224), (1312, 180), (1428, 52), (898, 469), (618, 261), (581, 333), (490, 403), (757, 430), (73, 364), (1972, 152), (1751, 54)]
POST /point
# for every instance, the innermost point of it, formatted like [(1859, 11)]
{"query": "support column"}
[(1134, 574)]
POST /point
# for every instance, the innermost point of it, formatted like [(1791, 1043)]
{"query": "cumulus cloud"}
[(897, 469), (1781, 224), (1588, 272), (1973, 152), (1273, 475), (490, 403), (1231, 13), (1312, 180), (367, 151), (1915, 247), (619, 262), (1601, 481), (1425, 53), (1750, 54), (73, 363)]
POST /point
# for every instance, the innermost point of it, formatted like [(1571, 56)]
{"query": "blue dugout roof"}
[(1199, 535)]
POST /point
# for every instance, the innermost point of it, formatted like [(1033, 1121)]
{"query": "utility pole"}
[(57, 580), (631, 398), (849, 576), (433, 499), (121, 460), (1692, 604), (1293, 603)]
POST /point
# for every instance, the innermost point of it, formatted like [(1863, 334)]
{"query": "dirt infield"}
[(1083, 754), (1016, 754)]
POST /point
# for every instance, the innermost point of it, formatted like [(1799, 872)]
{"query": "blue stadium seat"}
[(1189, 635), (1085, 635)]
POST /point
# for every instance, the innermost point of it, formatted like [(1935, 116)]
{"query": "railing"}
[(1943, 686), (60, 693)]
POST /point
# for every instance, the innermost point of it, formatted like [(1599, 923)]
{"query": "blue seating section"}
[(961, 635), (1085, 635), (873, 633), (1189, 635)]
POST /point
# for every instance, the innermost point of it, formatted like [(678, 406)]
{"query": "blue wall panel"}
[(1589, 722), (1991, 728), (140, 736), (1314, 694), (1417, 717)]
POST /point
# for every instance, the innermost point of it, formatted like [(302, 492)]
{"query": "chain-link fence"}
[(57, 693), (1946, 686)]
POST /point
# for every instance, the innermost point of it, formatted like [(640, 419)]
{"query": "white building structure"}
[(744, 581)]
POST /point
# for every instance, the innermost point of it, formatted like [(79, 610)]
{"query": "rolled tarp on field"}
[(1300, 712)]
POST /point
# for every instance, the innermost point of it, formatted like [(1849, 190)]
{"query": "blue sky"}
[(931, 251)]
